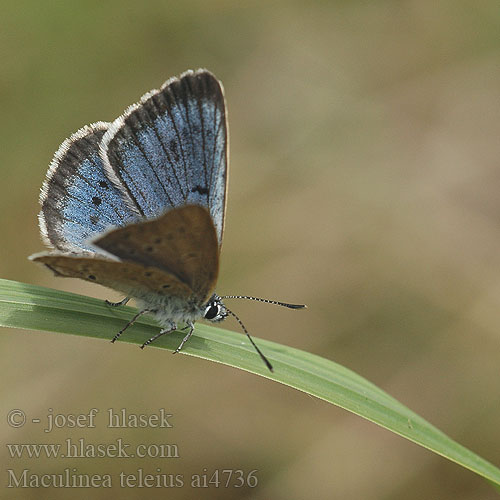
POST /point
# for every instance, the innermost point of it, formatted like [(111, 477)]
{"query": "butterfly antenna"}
[(267, 301), (266, 361)]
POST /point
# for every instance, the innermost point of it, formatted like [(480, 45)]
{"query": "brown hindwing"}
[(182, 242), (133, 279)]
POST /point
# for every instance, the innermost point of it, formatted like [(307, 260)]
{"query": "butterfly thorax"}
[(171, 309)]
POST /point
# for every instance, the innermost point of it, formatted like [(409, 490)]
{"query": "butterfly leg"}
[(116, 304), (130, 323), (190, 325), (163, 331)]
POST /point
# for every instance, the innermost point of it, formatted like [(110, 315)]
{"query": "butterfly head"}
[(215, 310)]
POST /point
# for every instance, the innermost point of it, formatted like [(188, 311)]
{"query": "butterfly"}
[(138, 205)]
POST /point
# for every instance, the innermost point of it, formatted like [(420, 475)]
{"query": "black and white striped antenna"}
[(267, 301)]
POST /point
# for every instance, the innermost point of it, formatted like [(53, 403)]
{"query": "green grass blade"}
[(37, 308)]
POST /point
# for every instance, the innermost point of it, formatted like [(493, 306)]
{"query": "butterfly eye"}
[(215, 310), (212, 311)]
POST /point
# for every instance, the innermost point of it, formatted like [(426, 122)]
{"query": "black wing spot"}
[(96, 201), (166, 286), (199, 189), (94, 219), (103, 184), (91, 277), (173, 150)]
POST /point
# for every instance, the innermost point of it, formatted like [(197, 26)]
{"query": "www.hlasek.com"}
[(80, 448)]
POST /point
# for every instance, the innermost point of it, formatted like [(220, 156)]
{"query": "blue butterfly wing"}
[(77, 198), (170, 149)]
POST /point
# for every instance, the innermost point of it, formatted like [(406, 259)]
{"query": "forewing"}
[(182, 242), (170, 149), (131, 278), (78, 200)]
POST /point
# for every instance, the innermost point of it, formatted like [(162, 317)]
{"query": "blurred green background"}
[(365, 181)]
